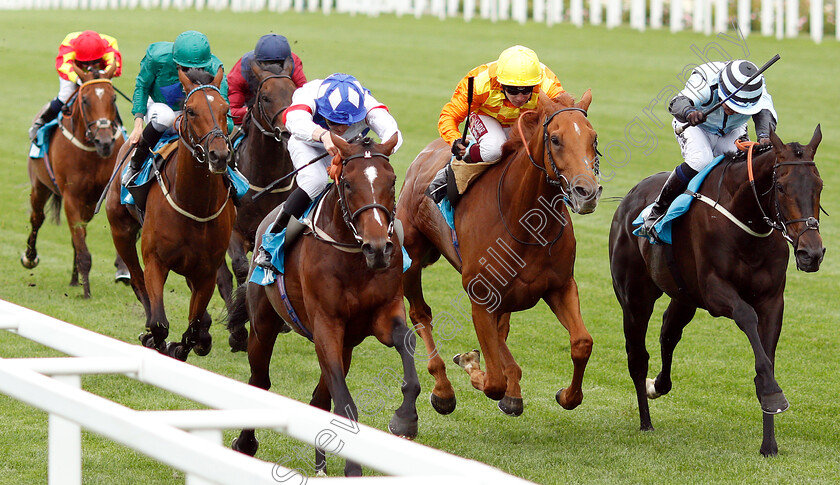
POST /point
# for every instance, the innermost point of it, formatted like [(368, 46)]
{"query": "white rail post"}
[(721, 15), (817, 19), (595, 10), (637, 15), (780, 17), (576, 12), (539, 10), (613, 13), (65, 444), (656, 14), (744, 17), (792, 20), (213, 436), (676, 19)]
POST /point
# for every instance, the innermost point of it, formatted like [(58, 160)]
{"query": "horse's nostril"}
[(389, 249)]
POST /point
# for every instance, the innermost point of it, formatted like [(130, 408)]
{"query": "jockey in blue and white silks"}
[(714, 134)]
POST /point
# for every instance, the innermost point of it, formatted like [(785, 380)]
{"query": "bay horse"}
[(262, 157), (188, 218), (731, 269), (76, 168), (343, 282), (517, 244)]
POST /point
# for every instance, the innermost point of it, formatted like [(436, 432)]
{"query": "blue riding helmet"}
[(272, 47), (341, 99)]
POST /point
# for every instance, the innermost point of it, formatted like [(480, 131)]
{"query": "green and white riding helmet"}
[(191, 49)]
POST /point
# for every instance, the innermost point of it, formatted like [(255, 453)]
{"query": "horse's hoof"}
[(442, 405), (512, 406), (404, 428), (650, 389), (246, 447), (29, 263), (774, 403), (203, 346), (147, 340), (238, 340), (122, 276), (569, 404), (177, 351), (467, 357)]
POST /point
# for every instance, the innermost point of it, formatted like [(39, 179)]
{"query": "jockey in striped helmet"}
[(711, 135), (338, 105), (86, 50)]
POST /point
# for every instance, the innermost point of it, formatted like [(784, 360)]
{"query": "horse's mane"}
[(199, 76), (530, 120), (272, 67)]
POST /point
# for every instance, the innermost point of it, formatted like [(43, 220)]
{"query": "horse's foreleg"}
[(265, 324), (674, 320), (122, 274), (197, 336), (224, 281), (321, 399), (78, 232), (329, 345), (238, 257), (124, 231), (443, 395), (511, 404), (769, 329), (157, 324), (487, 331), (392, 331), (565, 303), (37, 200)]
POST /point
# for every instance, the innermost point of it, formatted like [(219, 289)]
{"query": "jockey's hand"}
[(695, 117), (459, 148), (326, 139), (136, 132), (764, 142)]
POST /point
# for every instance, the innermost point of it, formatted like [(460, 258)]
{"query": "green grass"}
[(708, 429)]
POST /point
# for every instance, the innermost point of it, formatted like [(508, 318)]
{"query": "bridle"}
[(91, 127), (279, 133), (350, 218), (779, 222), (198, 147)]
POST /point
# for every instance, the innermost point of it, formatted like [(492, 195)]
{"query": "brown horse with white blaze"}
[(188, 218), (517, 244), (729, 256), (77, 167)]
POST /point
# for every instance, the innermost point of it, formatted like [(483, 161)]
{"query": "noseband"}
[(350, 218), (199, 148), (280, 134)]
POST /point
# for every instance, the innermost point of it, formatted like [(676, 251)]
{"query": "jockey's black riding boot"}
[(674, 186), (295, 205), (437, 189), (48, 114), (148, 140)]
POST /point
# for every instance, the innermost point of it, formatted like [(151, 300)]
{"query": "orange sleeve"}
[(554, 87), (455, 111)]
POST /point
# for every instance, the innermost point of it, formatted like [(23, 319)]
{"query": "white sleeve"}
[(299, 116), (381, 121), (697, 89)]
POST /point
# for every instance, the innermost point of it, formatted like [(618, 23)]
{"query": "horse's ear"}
[(342, 145), (109, 73), (80, 72), (777, 142), (220, 74), (289, 65), (815, 140), (585, 100), (257, 69), (387, 148), (185, 80)]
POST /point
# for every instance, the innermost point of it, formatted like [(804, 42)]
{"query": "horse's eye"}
[(189, 111), (264, 98), (346, 186), (555, 140), (780, 188), (114, 100)]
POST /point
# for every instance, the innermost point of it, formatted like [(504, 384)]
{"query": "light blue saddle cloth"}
[(679, 207)]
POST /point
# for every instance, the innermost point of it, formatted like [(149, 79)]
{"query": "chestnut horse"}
[(188, 218), (517, 244), (732, 267), (343, 282), (262, 157), (77, 167)]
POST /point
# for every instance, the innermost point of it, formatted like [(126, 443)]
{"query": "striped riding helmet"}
[(341, 99), (734, 76)]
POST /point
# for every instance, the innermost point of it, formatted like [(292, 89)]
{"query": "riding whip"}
[(769, 63), (470, 85), (117, 170), (271, 186)]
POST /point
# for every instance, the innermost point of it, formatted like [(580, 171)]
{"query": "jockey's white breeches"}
[(312, 179), (699, 147)]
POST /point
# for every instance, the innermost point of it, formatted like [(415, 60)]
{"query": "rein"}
[(779, 223)]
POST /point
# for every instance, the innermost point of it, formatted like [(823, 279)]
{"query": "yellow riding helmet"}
[(519, 66)]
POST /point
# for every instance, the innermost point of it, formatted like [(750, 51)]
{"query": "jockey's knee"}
[(488, 152), (161, 116)]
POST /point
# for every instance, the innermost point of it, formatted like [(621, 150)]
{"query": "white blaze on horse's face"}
[(211, 98), (99, 92), (577, 128), (371, 174)]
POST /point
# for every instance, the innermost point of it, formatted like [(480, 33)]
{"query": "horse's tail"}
[(237, 313), (54, 208)]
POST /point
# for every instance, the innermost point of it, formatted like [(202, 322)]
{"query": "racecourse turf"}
[(708, 429)]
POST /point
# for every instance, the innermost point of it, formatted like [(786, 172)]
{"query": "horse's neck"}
[(331, 219), (743, 199), (192, 185), (267, 158), (525, 188)]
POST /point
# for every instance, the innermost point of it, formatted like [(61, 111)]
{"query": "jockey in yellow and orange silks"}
[(502, 91), (87, 50)]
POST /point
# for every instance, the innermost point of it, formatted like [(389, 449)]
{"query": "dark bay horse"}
[(343, 282), (81, 156), (720, 266), (188, 218), (517, 244), (262, 158)]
